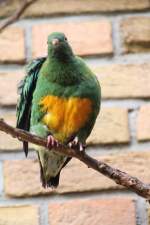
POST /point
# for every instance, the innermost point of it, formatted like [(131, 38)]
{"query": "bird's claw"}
[(73, 143), (52, 142), (76, 144)]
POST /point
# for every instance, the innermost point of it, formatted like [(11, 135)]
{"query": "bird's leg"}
[(52, 142), (76, 144)]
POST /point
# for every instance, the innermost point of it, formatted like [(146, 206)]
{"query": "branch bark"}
[(25, 4), (115, 174)]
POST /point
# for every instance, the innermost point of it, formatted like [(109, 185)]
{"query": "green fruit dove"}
[(59, 100)]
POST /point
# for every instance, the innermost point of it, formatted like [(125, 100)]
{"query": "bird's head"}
[(58, 46)]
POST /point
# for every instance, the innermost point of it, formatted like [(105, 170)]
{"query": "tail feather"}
[(25, 148), (52, 181)]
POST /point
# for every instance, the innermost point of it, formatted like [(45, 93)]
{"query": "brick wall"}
[(114, 38)]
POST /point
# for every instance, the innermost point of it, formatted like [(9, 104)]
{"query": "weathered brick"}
[(42, 8), (8, 90), (8, 143), (124, 81), (117, 81), (28, 184), (119, 211), (81, 36), (143, 123), (12, 45), (91, 6), (19, 215), (136, 34), (148, 211), (28, 178), (111, 127)]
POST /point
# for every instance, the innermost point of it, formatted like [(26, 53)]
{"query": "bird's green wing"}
[(90, 89), (26, 89)]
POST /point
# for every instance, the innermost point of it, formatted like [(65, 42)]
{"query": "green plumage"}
[(66, 76)]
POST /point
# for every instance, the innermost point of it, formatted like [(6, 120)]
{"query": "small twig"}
[(116, 175), (16, 16)]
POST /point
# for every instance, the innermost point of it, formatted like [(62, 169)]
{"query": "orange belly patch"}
[(65, 116)]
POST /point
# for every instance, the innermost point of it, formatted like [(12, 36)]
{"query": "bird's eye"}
[(65, 39)]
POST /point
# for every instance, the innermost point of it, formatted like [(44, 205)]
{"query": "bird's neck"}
[(62, 55), (60, 71)]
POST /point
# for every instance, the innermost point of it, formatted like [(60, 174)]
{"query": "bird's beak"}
[(55, 41)]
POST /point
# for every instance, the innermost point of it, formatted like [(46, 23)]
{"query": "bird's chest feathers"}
[(65, 116)]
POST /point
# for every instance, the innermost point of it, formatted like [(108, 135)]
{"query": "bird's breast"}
[(65, 116)]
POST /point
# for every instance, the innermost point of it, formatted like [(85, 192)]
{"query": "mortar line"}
[(44, 213), (67, 197), (1, 179), (141, 212), (80, 17)]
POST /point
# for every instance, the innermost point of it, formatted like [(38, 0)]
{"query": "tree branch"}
[(116, 175), (25, 4)]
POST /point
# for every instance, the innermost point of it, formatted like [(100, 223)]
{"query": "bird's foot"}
[(76, 144), (52, 142)]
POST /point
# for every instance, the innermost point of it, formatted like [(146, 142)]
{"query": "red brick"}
[(118, 211), (82, 36), (12, 45)]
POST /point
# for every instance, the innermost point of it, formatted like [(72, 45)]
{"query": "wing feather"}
[(26, 89)]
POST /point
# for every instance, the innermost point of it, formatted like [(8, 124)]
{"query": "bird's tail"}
[(50, 167), (51, 182)]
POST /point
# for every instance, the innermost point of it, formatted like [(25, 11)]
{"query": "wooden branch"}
[(16, 16), (116, 175)]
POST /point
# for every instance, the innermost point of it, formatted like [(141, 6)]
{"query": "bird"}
[(59, 100)]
